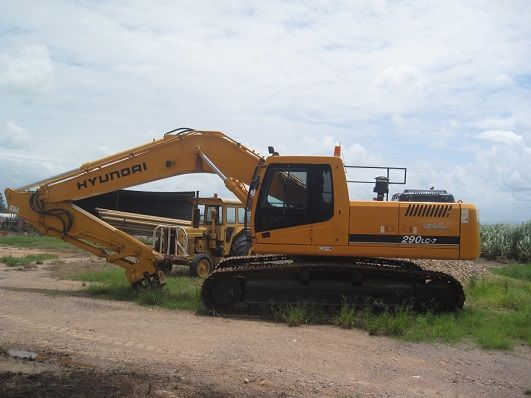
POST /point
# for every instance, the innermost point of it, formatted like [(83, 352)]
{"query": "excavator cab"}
[(302, 207), (298, 196)]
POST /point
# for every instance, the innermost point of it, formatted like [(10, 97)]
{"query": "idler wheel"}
[(226, 292)]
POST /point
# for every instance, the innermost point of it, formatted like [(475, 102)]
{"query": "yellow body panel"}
[(373, 219), (300, 235), (470, 243), (381, 229)]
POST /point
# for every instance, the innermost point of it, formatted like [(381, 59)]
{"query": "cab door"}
[(296, 206), (283, 215), (331, 203)]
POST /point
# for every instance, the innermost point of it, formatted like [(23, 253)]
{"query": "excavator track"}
[(262, 281)]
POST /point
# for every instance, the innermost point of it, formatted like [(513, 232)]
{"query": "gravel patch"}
[(462, 270)]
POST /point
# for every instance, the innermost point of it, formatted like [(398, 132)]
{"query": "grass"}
[(497, 313), (11, 261), (293, 315), (487, 329), (515, 271), (178, 293), (38, 242), (296, 315)]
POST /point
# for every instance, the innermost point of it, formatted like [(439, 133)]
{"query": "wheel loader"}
[(215, 232)]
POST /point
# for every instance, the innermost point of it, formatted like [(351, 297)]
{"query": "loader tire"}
[(241, 245), (165, 266), (201, 265)]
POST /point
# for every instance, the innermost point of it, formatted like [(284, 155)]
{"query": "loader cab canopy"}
[(294, 195), (229, 211)]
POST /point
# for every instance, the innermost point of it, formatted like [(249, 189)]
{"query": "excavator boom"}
[(47, 204), (186, 152)]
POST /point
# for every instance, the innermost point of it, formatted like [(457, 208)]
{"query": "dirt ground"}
[(89, 347)]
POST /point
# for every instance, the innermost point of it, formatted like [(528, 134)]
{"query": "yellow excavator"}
[(328, 248)]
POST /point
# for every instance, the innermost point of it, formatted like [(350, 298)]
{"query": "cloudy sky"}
[(442, 88)]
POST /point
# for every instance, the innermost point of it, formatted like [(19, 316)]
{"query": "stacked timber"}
[(137, 224)]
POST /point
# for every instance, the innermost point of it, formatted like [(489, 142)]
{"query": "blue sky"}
[(442, 88)]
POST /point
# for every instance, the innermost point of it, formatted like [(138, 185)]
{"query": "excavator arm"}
[(48, 206)]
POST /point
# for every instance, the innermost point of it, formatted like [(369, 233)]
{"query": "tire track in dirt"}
[(91, 336), (244, 357)]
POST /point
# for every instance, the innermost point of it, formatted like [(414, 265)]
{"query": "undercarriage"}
[(262, 281)]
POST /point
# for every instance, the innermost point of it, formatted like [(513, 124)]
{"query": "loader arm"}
[(47, 204)]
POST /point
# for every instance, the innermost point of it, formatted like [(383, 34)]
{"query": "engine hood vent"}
[(428, 210)]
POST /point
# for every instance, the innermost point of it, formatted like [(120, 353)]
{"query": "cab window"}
[(287, 188), (294, 195), (231, 215), (241, 215), (208, 214)]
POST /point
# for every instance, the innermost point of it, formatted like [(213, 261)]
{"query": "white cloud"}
[(503, 136), (353, 153), (507, 162), (401, 80), (29, 70), (317, 144), (495, 123), (397, 89), (14, 136), (357, 154)]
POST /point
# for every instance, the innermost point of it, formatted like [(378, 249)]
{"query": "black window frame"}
[(318, 209)]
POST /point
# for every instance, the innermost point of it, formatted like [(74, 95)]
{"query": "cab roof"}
[(218, 201)]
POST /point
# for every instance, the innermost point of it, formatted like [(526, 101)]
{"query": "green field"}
[(37, 242), (505, 242)]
